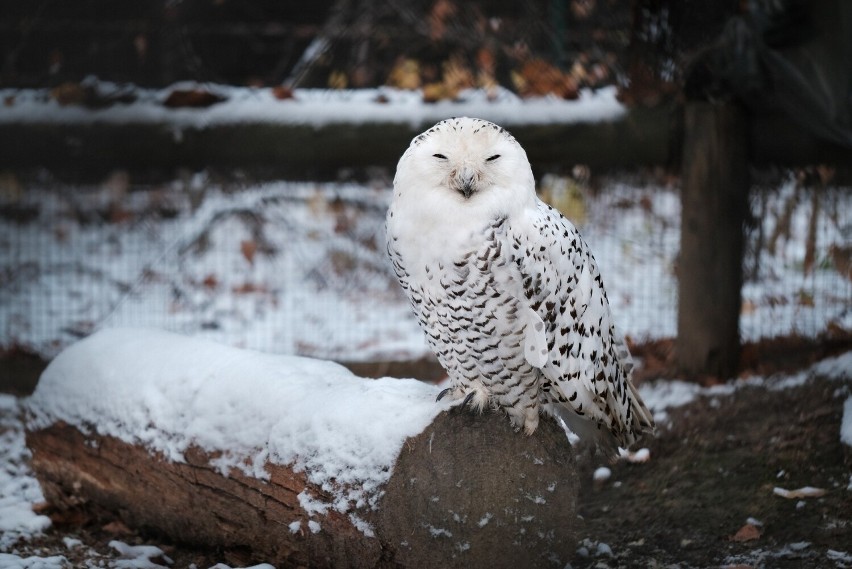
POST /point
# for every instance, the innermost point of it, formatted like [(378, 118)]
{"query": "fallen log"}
[(114, 427)]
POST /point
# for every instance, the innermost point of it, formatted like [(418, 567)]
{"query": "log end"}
[(469, 491)]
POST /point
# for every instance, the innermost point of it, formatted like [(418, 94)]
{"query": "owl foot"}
[(463, 404), (477, 398)]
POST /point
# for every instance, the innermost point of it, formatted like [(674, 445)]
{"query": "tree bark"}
[(715, 202), (468, 491), (192, 502)]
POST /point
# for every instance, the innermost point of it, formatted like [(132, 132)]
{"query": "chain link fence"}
[(301, 268)]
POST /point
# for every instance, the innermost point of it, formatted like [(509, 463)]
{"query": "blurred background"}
[(222, 168)]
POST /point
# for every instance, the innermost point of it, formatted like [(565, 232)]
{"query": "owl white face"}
[(469, 161)]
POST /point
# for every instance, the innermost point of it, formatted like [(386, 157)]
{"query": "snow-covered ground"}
[(666, 394), (300, 268)]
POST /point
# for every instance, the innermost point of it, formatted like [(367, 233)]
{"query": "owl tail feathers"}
[(632, 426), (622, 432), (642, 418), (589, 432)]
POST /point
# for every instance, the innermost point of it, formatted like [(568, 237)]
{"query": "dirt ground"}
[(713, 468)]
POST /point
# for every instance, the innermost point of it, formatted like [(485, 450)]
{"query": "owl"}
[(505, 289)]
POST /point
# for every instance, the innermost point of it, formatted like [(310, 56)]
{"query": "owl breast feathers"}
[(505, 289)]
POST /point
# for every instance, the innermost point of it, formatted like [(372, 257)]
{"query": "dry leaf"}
[(538, 77), (457, 75), (68, 94), (748, 532), (282, 93), (338, 80), (405, 74), (841, 258), (434, 92), (41, 507), (249, 288), (192, 98), (441, 11), (248, 249), (72, 517), (117, 528)]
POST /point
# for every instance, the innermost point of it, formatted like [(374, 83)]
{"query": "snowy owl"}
[(505, 289)]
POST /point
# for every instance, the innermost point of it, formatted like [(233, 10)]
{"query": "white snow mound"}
[(169, 392)]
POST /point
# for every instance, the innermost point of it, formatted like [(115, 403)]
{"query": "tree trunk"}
[(715, 201), (468, 491)]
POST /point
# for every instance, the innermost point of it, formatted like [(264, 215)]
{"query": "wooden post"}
[(714, 198)]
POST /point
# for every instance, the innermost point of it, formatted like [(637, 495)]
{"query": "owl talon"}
[(442, 393), (467, 399)]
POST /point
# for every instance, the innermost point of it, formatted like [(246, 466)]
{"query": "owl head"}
[(465, 162)]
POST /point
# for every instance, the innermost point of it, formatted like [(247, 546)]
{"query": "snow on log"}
[(296, 461)]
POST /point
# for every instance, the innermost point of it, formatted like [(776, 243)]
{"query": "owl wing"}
[(587, 365)]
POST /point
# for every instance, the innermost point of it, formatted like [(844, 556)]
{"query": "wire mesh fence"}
[(301, 268)]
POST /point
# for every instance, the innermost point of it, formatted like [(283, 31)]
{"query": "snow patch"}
[(438, 532), (603, 549), (602, 474), (138, 556), (838, 367), (600, 549), (169, 392), (662, 395), (538, 499), (12, 561), (311, 505), (635, 457), (19, 489), (71, 542), (839, 556), (846, 423), (362, 525)]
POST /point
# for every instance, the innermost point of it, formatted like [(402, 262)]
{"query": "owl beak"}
[(465, 181)]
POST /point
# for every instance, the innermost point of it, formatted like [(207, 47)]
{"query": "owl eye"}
[(441, 156), (492, 158)]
